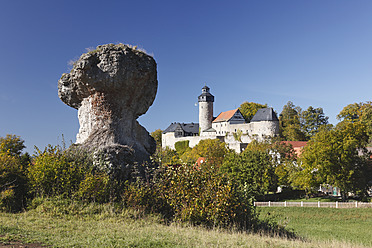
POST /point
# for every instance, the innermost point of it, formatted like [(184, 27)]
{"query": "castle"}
[(229, 127)]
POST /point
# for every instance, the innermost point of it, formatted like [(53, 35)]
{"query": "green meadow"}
[(352, 225), (103, 225)]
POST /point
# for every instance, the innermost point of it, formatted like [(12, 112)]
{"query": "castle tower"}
[(205, 100)]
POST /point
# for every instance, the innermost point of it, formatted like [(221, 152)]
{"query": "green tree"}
[(252, 170), (13, 183), (351, 112), (213, 150), (13, 164), (249, 109), (282, 157), (338, 157), (289, 123), (311, 121), (12, 144), (358, 112), (366, 119)]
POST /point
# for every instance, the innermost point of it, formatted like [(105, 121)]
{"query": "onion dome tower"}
[(205, 100)]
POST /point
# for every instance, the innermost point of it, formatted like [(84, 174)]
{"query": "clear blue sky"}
[(313, 53)]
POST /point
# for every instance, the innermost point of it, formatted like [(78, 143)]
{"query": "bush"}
[(95, 187), (197, 196), (54, 172), (182, 146), (13, 183), (72, 173)]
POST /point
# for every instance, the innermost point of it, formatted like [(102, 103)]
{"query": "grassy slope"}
[(124, 230), (350, 225)]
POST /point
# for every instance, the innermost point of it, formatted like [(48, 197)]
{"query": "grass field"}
[(349, 225), (101, 226)]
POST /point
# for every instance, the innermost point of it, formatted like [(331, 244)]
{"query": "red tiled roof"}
[(225, 116), (296, 144)]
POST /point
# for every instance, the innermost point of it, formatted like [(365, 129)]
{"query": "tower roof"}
[(206, 96)]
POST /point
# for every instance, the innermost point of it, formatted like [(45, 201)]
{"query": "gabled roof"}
[(225, 116), (186, 127), (265, 114)]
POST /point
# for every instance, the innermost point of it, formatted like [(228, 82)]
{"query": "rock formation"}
[(111, 87)]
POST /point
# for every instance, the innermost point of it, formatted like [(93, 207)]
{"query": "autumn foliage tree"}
[(249, 109)]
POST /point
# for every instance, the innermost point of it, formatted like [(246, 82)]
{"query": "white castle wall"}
[(168, 140), (254, 130), (262, 128)]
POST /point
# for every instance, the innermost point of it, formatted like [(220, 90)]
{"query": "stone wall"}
[(205, 115)]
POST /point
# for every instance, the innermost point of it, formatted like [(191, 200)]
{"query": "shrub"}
[(72, 173), (94, 187), (167, 156), (53, 173), (197, 196), (182, 146), (13, 183)]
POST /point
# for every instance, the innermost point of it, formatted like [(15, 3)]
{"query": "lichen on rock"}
[(111, 87)]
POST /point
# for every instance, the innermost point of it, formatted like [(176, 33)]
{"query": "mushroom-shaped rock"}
[(111, 87)]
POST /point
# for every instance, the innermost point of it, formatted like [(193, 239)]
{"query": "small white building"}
[(264, 124)]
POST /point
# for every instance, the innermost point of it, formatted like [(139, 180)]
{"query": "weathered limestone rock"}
[(111, 87)]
